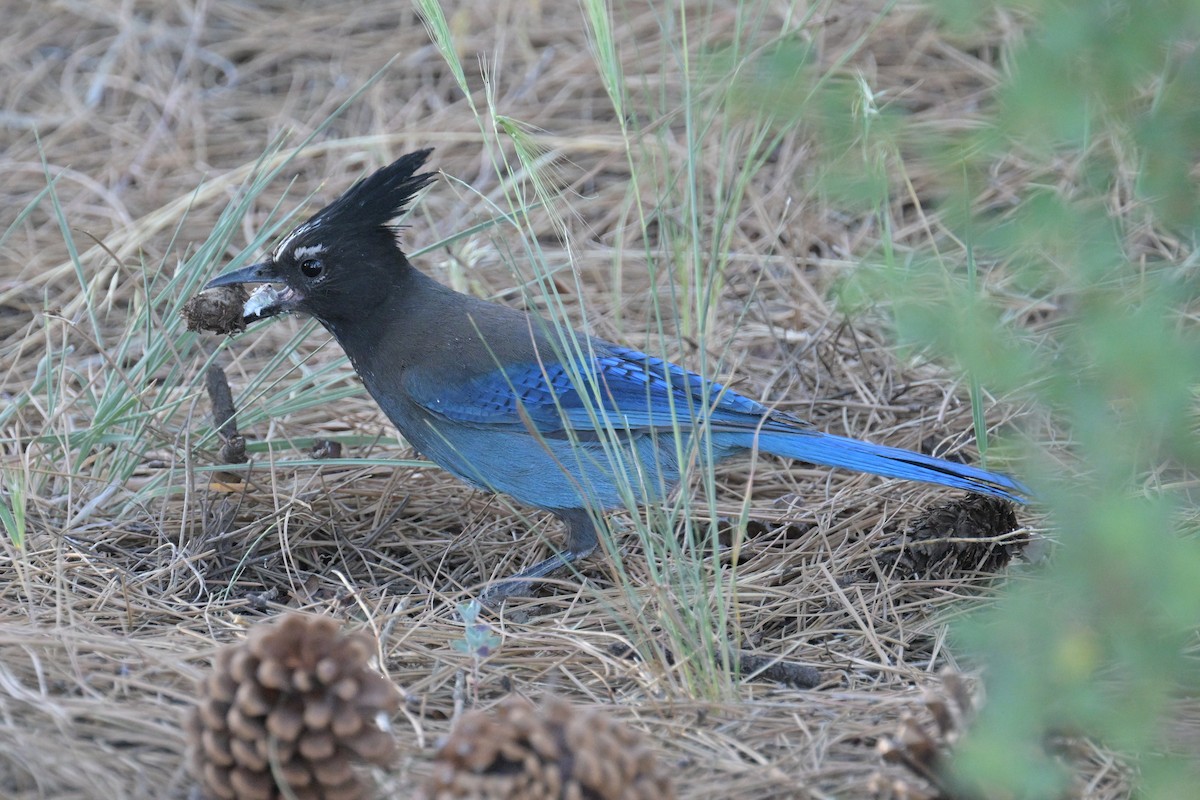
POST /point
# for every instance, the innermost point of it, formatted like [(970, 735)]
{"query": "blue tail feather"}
[(890, 462)]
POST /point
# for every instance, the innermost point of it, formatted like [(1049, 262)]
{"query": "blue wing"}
[(618, 388), (622, 389)]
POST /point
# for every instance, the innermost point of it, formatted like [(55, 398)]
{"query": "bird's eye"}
[(311, 267)]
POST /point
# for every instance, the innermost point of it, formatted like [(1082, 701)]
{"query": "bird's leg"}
[(581, 543)]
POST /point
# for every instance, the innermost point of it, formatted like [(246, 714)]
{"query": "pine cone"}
[(956, 537), (217, 310), (299, 692), (923, 749), (519, 752)]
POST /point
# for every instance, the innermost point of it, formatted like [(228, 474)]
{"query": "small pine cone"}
[(217, 310), (923, 749), (965, 535), (519, 752), (299, 692)]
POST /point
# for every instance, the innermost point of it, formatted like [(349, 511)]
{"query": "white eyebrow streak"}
[(309, 251), (282, 247)]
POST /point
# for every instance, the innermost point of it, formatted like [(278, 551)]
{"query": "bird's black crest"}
[(380, 197)]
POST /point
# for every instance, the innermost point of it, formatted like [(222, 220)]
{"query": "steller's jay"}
[(511, 403)]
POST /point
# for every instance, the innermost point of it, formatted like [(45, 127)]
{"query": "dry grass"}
[(113, 607)]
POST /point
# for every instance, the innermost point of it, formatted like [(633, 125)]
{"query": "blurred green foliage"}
[(1099, 104), (1100, 99)]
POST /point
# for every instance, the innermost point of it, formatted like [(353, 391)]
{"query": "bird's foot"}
[(521, 584), (495, 594)]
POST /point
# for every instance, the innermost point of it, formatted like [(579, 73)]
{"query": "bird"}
[(513, 403)]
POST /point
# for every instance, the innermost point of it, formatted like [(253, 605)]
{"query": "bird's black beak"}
[(262, 272), (265, 301)]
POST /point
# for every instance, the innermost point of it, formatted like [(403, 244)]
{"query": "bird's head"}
[(340, 262)]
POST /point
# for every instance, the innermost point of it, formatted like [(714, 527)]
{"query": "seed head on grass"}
[(295, 704)]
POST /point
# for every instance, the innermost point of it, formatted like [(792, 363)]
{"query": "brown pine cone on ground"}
[(296, 699), (923, 749), (519, 752)]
